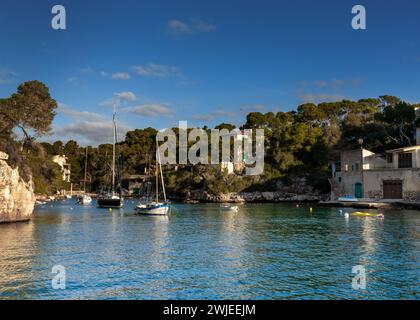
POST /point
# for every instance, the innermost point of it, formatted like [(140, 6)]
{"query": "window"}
[(389, 158), (338, 167), (339, 179), (357, 166), (405, 160)]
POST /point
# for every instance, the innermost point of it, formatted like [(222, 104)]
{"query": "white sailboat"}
[(112, 199), (85, 199), (156, 207)]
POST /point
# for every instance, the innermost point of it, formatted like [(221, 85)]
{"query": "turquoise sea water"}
[(265, 251)]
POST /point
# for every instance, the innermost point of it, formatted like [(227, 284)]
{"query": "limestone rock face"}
[(17, 199)]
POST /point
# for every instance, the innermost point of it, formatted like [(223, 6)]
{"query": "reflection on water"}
[(199, 252)]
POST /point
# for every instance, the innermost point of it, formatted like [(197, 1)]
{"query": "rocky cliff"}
[(17, 199)]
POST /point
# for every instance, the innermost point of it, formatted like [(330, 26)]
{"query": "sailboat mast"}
[(157, 177), (84, 180), (161, 172), (113, 153)]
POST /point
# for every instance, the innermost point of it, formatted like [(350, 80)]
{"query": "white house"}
[(65, 167)]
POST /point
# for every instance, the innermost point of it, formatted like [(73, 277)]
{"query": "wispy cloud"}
[(214, 115), (88, 128), (252, 108), (335, 84), (157, 70), (320, 97), (318, 91), (74, 81), (87, 70), (7, 76), (193, 26), (77, 114), (150, 110), (89, 132), (119, 99), (121, 76), (126, 96)]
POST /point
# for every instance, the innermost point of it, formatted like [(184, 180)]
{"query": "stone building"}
[(363, 174)]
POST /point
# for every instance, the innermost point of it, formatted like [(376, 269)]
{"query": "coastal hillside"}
[(299, 147), (24, 115)]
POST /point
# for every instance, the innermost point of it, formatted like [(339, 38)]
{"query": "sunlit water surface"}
[(265, 251)]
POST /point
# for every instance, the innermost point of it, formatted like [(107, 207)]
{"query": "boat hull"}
[(160, 210), (109, 203)]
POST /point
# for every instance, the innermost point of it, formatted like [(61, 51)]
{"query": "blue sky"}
[(206, 62)]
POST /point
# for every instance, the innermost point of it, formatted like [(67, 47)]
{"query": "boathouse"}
[(364, 174)]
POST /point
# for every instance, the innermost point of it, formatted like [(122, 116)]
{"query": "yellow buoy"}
[(110, 209), (310, 210)]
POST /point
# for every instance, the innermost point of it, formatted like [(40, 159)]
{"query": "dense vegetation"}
[(299, 144), (25, 115)]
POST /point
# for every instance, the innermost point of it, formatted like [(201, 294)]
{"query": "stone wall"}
[(373, 182), (17, 199)]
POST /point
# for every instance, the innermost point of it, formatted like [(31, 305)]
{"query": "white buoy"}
[(346, 215)]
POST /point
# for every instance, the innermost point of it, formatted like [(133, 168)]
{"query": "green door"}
[(358, 190)]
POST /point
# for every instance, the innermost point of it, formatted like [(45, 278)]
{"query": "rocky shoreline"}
[(17, 199), (254, 197)]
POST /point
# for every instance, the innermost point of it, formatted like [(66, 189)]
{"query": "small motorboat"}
[(85, 199), (227, 207), (189, 201), (348, 199)]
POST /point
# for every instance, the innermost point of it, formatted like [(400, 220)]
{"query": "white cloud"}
[(89, 132), (7, 76), (119, 99), (77, 114), (157, 70), (88, 128), (150, 110), (179, 26), (120, 76), (126, 96), (193, 26)]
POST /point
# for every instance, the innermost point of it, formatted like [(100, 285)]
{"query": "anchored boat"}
[(156, 207), (85, 199), (112, 199)]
